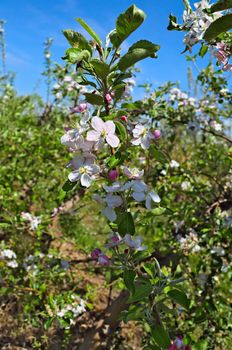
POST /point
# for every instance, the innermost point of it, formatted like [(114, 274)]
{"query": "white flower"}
[(13, 264), (84, 170), (68, 79), (142, 136), (34, 220), (174, 164), (139, 189), (186, 185), (135, 244), (110, 202), (8, 253), (152, 197), (216, 126), (134, 173), (103, 131), (114, 240)]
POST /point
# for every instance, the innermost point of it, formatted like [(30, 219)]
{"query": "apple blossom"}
[(142, 136), (34, 220), (134, 173), (151, 197), (84, 170), (103, 259), (103, 131), (135, 243), (82, 107), (114, 240), (174, 164)]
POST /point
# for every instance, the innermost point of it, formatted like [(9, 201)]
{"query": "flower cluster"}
[(114, 241), (9, 257), (77, 307), (223, 54), (34, 221), (196, 22)]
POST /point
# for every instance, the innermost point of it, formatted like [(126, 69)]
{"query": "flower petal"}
[(109, 213), (98, 124), (109, 127), (112, 140), (93, 135), (86, 180), (138, 196), (74, 176)]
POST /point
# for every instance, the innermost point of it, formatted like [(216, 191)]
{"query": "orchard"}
[(116, 212)]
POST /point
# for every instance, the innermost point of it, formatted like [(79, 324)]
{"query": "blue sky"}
[(29, 23)]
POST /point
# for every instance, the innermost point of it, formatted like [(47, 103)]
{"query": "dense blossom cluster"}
[(196, 22)]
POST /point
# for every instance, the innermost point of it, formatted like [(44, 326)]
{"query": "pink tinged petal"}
[(93, 135), (98, 124), (104, 260), (138, 196), (86, 180), (74, 176), (109, 127), (109, 213), (136, 142), (112, 140)]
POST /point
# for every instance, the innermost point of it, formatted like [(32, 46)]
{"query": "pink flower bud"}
[(188, 347), (108, 97), (82, 107), (103, 259), (95, 253), (113, 175), (124, 118), (157, 134)]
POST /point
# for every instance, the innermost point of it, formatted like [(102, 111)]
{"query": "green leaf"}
[(126, 224), (76, 56), (134, 313), (126, 24), (161, 337), (142, 290), (68, 186), (179, 297), (173, 25), (115, 160), (221, 25), (121, 130), (77, 40), (94, 99), (101, 68), (220, 6), (137, 52), (203, 50), (129, 277), (89, 30)]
